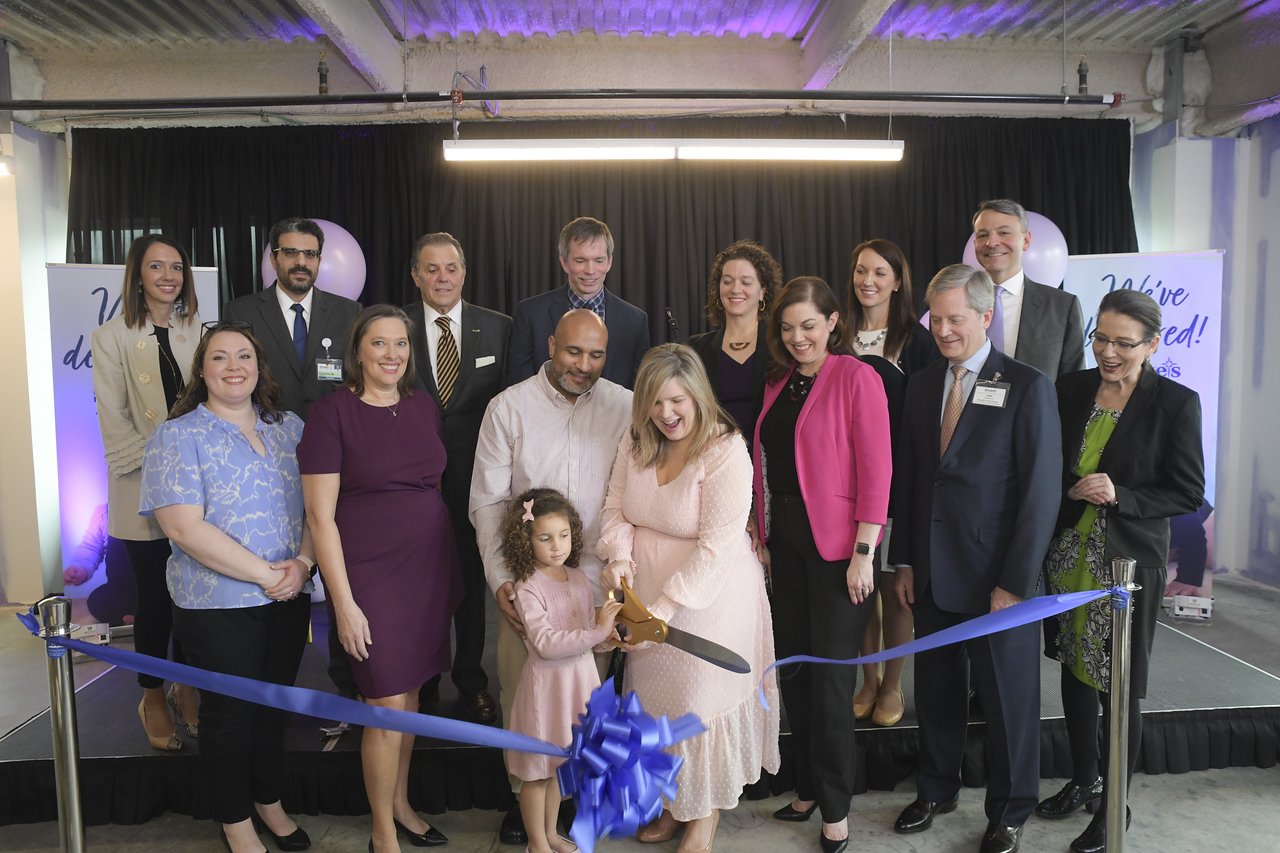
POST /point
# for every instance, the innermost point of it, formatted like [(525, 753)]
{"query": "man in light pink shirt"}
[(558, 429)]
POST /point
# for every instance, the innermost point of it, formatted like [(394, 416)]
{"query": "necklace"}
[(739, 346), (864, 344), (394, 408), (800, 385)]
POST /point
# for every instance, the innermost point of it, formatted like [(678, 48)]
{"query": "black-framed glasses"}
[(225, 325), (292, 254), (1121, 346)]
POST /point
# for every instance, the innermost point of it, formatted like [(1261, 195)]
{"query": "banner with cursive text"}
[(81, 298)]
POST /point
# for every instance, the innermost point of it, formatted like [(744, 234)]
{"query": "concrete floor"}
[(1235, 810)]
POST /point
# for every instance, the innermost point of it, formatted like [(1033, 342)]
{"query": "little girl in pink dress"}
[(542, 537)]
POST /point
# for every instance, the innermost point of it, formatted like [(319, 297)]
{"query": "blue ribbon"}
[(616, 771), (1024, 613)]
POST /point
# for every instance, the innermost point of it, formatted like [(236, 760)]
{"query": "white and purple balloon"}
[(1045, 260), (342, 269)]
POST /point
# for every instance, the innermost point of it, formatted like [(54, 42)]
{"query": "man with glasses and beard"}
[(292, 318)]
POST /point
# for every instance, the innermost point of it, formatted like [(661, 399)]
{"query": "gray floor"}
[(1235, 810)]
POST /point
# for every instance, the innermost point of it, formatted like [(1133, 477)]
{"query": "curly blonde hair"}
[(517, 534)]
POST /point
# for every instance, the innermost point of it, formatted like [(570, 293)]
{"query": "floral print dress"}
[(1077, 562)]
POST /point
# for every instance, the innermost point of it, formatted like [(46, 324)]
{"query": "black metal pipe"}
[(114, 105)]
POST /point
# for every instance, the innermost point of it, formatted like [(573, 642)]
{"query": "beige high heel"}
[(192, 729), (715, 822), (172, 743)]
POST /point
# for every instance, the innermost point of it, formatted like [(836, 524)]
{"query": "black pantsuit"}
[(242, 743), (1004, 669), (813, 615), (153, 616)]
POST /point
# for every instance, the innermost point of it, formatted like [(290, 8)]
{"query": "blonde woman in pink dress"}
[(542, 538), (674, 528)]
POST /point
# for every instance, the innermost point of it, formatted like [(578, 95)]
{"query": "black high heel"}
[(431, 838), (296, 840)]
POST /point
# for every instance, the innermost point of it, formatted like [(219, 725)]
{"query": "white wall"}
[(33, 232)]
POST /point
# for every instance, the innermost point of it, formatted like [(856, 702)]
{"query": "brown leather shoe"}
[(662, 829), (480, 705)]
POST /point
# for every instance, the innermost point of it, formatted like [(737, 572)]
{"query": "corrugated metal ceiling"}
[(51, 25)]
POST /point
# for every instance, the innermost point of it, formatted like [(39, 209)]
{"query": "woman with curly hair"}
[(742, 288), (542, 540)]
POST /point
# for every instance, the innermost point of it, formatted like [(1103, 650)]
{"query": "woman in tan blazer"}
[(141, 359)]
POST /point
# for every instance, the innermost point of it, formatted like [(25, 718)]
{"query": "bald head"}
[(577, 351)]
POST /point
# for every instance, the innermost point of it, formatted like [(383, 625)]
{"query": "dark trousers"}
[(153, 617), (242, 743), (1005, 669), (813, 615), (468, 619)]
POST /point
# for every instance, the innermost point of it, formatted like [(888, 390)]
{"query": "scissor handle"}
[(641, 624)]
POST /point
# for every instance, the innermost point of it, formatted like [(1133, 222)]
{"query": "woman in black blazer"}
[(1132, 459), (741, 290)]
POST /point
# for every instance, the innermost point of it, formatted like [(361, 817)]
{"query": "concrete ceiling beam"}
[(839, 30), (363, 37)]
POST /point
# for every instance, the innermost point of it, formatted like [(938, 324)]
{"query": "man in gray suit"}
[(292, 318), (298, 325), (461, 355), (1038, 325)]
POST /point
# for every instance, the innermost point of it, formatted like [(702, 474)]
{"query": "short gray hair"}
[(979, 292), (1008, 207), (440, 238)]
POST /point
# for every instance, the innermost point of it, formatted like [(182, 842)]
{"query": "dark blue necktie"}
[(300, 335)]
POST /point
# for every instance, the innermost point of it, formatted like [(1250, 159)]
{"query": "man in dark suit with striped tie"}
[(461, 355)]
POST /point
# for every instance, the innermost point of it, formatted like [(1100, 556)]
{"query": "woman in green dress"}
[(1132, 459)]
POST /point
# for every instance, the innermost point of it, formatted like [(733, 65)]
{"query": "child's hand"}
[(607, 614)]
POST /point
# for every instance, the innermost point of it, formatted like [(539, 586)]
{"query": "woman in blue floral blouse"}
[(221, 478)]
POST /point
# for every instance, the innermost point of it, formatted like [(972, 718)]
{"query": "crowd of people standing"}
[(820, 475)]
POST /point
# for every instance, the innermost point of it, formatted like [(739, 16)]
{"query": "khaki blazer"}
[(130, 400)]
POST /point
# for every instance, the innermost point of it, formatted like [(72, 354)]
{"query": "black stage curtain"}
[(220, 189)]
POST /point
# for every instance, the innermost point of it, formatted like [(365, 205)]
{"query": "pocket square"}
[(485, 360)]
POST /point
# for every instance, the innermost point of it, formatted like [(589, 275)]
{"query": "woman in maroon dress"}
[(371, 457)]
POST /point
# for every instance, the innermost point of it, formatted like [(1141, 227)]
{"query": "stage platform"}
[(1205, 709)]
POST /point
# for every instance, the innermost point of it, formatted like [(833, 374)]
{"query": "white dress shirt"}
[(454, 316), (1011, 304), (534, 437), (286, 308), (974, 363)]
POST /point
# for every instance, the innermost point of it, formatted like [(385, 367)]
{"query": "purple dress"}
[(397, 540)]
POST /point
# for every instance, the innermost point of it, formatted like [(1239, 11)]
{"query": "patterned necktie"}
[(300, 336), (996, 332), (446, 361), (955, 404)]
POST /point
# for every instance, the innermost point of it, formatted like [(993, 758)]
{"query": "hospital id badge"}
[(989, 393), (329, 369)]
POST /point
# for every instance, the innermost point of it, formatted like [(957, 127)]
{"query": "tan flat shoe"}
[(662, 829), (861, 712), (172, 743), (882, 717)]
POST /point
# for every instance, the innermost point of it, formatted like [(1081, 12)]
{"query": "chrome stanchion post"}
[(55, 619), (1122, 571)]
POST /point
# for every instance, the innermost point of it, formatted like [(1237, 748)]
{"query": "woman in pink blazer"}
[(822, 471)]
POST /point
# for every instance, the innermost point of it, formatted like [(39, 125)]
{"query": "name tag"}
[(991, 394), (485, 360), (329, 369)]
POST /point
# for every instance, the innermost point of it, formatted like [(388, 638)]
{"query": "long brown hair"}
[(353, 374), (266, 397), (133, 302), (768, 273), (902, 313), (799, 291)]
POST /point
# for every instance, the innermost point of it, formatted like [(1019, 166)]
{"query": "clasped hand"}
[(286, 579), (1097, 489)]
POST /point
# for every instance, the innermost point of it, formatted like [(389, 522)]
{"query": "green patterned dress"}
[(1077, 562)]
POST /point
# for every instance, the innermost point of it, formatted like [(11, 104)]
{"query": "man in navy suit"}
[(461, 355), (1038, 325), (980, 466), (586, 255)]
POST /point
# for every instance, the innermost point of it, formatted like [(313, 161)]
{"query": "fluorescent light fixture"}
[(669, 149), (8, 164)]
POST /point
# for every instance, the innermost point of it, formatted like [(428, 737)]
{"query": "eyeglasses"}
[(226, 326), (291, 253), (1121, 346)]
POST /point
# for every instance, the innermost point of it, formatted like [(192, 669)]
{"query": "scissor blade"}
[(710, 652)]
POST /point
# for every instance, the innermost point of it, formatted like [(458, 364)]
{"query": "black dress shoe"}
[(296, 840), (512, 829), (919, 816), (431, 838), (830, 845), (1070, 800), (1094, 838), (480, 705), (1000, 839), (794, 815)]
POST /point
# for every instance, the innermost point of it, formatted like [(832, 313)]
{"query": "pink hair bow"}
[(528, 511)]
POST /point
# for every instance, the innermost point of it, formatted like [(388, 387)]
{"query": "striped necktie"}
[(446, 361)]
